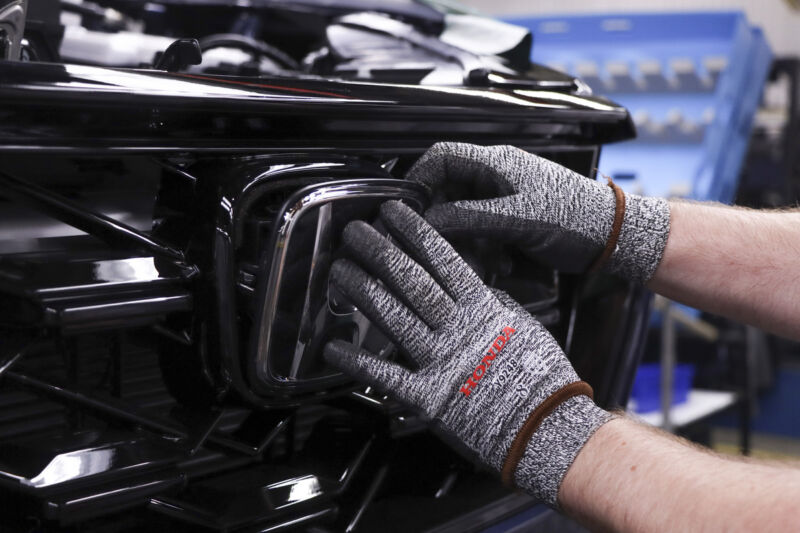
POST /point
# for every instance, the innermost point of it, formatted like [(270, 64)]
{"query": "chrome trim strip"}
[(320, 260)]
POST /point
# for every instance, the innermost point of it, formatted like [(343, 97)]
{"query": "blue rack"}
[(692, 82)]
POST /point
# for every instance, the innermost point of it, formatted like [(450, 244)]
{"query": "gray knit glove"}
[(549, 211), (485, 370)]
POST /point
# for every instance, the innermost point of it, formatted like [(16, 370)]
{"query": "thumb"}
[(480, 218), (460, 165)]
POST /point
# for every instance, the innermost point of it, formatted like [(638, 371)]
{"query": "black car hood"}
[(144, 109)]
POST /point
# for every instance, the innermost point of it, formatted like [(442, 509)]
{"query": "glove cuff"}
[(616, 227), (554, 446), (534, 420), (642, 238)]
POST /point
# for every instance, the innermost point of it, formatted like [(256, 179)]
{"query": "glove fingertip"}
[(396, 213), (420, 173), (344, 274), (357, 233), (340, 354), (424, 170), (338, 270), (402, 221), (430, 170)]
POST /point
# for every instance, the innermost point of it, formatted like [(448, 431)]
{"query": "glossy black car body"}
[(164, 242)]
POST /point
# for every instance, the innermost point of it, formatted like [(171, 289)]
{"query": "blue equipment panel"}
[(692, 83)]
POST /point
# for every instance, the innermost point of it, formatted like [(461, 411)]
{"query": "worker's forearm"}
[(739, 263), (629, 477)]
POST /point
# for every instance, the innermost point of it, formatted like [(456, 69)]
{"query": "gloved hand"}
[(549, 211), (486, 370)]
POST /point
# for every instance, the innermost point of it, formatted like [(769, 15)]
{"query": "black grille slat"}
[(142, 385), (10, 398), (28, 410), (28, 426)]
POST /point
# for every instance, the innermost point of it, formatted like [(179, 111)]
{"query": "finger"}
[(466, 164), (430, 249), (403, 327), (477, 218), (404, 276), (364, 366)]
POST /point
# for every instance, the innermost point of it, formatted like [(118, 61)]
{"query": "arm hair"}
[(740, 263), (630, 477)]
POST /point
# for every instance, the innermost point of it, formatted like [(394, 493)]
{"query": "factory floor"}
[(775, 424), (764, 445)]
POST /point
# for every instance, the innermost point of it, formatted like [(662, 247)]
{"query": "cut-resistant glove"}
[(484, 370), (570, 222)]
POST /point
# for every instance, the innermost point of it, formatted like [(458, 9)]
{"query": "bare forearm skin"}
[(739, 263), (630, 477), (734, 262)]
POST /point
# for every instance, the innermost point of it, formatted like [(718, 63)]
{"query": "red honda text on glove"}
[(483, 366)]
